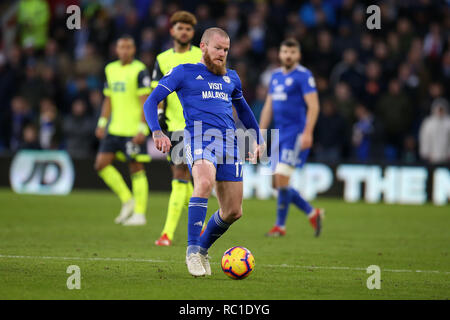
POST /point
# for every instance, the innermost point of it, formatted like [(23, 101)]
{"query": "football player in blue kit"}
[(293, 104), (207, 92)]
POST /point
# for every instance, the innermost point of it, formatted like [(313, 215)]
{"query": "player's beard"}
[(219, 70), (183, 44), (288, 63)]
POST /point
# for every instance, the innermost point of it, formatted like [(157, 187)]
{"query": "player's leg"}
[(229, 189), (229, 194), (181, 191), (139, 185), (114, 180), (287, 195), (281, 182), (204, 175), (315, 215)]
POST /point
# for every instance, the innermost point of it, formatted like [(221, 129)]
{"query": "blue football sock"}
[(196, 217), (214, 229), (284, 198), (301, 203)]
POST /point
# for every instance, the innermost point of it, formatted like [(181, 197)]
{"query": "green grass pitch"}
[(40, 236)]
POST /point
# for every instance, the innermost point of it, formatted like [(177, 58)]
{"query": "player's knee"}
[(135, 167), (203, 187), (181, 172), (98, 166)]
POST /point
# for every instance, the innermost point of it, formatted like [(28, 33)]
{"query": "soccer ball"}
[(238, 262)]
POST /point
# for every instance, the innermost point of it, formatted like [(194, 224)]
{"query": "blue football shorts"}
[(220, 149), (288, 152)]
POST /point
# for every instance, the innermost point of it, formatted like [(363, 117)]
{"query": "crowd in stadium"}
[(383, 93)]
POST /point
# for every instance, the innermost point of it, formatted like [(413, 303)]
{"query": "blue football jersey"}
[(289, 106), (205, 96)]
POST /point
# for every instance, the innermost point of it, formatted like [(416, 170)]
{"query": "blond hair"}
[(212, 31)]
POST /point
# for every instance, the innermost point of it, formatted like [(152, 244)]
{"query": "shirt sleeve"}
[(173, 79), (270, 89), (106, 88), (143, 83), (237, 92), (156, 74), (307, 83)]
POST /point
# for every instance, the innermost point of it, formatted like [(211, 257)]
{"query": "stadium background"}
[(376, 88)]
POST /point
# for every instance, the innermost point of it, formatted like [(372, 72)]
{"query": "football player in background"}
[(293, 104), (122, 131)]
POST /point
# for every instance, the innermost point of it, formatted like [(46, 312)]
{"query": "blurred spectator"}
[(32, 88), (30, 139), (383, 55), (233, 20), (130, 24), (445, 69), (324, 57), (349, 70), (90, 64), (148, 40), (257, 33), (21, 115), (366, 49), (347, 38), (80, 39), (365, 135), (79, 130), (409, 153), (57, 60), (432, 45), (204, 21), (409, 80), (51, 84), (373, 84), (33, 18), (344, 102), (95, 102), (258, 102), (434, 136), (395, 111), (272, 64), (50, 131), (330, 133), (405, 35), (276, 20), (315, 13)]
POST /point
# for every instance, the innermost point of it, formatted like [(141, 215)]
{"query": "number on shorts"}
[(239, 170)]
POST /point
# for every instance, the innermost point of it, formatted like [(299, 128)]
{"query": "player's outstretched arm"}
[(162, 142)]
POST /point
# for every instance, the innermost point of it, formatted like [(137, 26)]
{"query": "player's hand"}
[(139, 138), (162, 142), (257, 153), (100, 133), (306, 140)]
